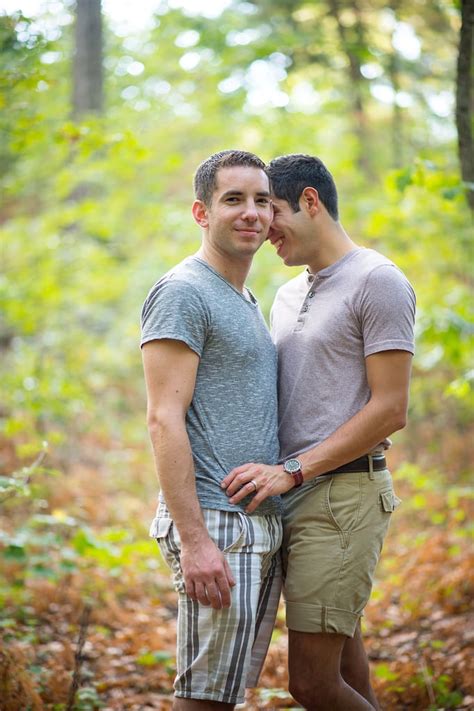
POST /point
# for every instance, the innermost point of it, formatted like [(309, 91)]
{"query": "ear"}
[(310, 201), (199, 211)]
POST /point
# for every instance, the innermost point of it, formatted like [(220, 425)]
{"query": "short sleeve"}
[(387, 311), (174, 309)]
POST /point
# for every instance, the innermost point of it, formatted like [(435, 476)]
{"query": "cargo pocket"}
[(166, 535), (343, 502), (160, 527), (389, 501)]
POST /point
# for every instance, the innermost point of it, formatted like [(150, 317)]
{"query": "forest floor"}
[(86, 601)]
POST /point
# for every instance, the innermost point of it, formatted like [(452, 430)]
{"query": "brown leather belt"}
[(361, 465)]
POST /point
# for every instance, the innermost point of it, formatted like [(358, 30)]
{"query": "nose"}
[(250, 211)]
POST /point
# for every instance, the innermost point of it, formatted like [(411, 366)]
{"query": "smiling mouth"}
[(248, 232), (278, 244)]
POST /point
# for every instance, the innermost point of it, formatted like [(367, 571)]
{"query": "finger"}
[(244, 491), (201, 594), (214, 595), (235, 472), (242, 484), (224, 591), (229, 574), (190, 589), (256, 501)]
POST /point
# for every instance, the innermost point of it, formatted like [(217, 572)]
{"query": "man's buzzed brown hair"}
[(205, 179)]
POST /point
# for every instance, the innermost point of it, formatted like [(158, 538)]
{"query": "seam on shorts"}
[(323, 614), (265, 595), (211, 697), (344, 534)]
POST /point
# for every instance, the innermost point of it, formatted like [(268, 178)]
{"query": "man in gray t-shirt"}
[(344, 335), (211, 376)]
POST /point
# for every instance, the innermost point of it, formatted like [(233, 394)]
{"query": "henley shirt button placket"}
[(305, 308)]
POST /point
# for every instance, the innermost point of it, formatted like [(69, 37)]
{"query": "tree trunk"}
[(356, 82), (465, 98), (397, 116), (87, 66)]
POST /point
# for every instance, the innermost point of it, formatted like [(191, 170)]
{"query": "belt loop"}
[(371, 467)]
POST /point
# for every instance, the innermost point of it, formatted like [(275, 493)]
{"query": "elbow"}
[(161, 420), (399, 423), (156, 422), (398, 417)]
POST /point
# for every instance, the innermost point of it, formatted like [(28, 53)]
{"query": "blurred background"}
[(106, 111)]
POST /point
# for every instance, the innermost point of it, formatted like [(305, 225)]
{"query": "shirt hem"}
[(172, 337), (389, 346), (271, 509)]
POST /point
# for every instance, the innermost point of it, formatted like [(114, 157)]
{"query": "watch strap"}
[(296, 474), (297, 477)]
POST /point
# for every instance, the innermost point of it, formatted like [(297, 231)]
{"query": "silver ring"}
[(254, 483)]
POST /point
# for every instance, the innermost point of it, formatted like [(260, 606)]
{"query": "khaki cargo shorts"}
[(334, 529)]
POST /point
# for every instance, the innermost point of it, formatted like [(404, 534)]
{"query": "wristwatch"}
[(294, 469)]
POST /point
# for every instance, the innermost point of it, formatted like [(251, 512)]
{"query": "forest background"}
[(101, 132)]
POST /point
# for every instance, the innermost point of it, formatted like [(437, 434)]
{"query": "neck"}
[(333, 244), (233, 269)]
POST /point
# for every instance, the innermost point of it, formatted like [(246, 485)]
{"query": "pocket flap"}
[(160, 527), (389, 500)]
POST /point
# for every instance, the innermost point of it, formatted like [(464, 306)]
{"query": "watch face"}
[(292, 465)]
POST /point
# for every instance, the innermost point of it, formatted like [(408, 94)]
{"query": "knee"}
[(302, 692), (353, 668), (355, 672), (312, 694)]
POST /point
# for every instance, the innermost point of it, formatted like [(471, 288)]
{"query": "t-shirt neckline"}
[(252, 301), (332, 268)]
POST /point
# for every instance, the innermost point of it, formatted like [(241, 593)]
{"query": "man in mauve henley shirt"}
[(344, 334)]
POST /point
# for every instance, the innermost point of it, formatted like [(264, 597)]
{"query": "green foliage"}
[(87, 699), (150, 659), (94, 212), (384, 672), (267, 695), (442, 691)]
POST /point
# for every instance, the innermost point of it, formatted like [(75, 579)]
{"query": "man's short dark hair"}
[(290, 175), (205, 179)]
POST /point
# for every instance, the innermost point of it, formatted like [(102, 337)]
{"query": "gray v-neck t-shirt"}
[(232, 418), (324, 327)]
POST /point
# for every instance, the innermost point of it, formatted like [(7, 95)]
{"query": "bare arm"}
[(388, 375), (170, 374)]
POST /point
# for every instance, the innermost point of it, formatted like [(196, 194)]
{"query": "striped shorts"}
[(221, 652)]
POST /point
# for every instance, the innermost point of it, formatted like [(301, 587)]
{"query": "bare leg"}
[(355, 667), (200, 705), (314, 662)]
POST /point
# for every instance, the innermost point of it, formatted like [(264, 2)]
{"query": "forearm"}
[(356, 437), (175, 469), (388, 375)]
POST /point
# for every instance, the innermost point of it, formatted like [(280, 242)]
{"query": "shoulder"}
[(384, 294), (183, 278), (176, 290), (381, 274)]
